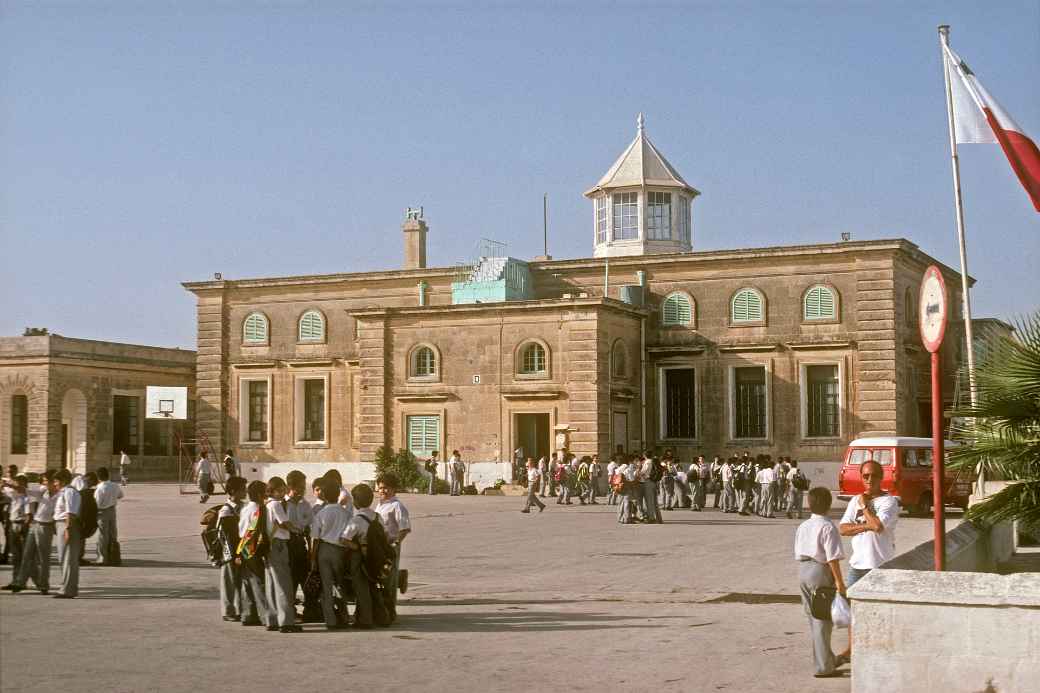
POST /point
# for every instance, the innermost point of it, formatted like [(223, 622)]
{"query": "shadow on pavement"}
[(499, 622), (149, 593)]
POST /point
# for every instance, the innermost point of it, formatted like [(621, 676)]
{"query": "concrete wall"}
[(959, 630)]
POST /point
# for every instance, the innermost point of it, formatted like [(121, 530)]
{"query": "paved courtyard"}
[(499, 601)]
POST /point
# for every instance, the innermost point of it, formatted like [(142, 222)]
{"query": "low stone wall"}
[(960, 630)]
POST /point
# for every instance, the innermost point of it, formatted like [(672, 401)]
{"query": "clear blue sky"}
[(144, 144)]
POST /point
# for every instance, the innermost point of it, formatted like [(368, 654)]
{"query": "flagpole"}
[(944, 40)]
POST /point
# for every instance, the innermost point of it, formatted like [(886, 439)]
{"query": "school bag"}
[(800, 481), (655, 471), (209, 520), (617, 483), (560, 474), (377, 553), (87, 512)]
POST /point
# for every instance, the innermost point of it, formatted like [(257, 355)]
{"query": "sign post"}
[(932, 318)]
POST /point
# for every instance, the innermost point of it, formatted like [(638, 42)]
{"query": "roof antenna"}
[(640, 122), (545, 225)]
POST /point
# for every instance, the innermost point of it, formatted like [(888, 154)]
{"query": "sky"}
[(146, 144)]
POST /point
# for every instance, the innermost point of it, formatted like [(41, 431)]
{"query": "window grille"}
[(532, 360), (749, 402), (822, 401), (680, 408)]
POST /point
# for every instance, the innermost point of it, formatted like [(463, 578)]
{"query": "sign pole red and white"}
[(932, 318)]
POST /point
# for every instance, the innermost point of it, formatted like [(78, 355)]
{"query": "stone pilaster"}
[(875, 390), (373, 426), (211, 376)]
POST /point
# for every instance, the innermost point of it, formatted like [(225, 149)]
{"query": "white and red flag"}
[(979, 119)]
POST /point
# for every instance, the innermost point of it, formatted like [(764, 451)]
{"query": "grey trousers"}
[(204, 486), (278, 579), (729, 498), (107, 533), (36, 558), (230, 586), (252, 601), (653, 513), (362, 590), (390, 588), (700, 494), (533, 499), (332, 564), (14, 545), (794, 501), (68, 556), (456, 486), (812, 575), (765, 500)]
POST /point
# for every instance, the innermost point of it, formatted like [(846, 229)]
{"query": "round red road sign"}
[(932, 309)]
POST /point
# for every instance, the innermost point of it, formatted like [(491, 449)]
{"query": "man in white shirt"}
[(394, 515), (729, 496), (66, 518), (870, 519), (106, 495), (204, 475), (817, 548), (611, 468), (533, 477), (36, 556), (543, 475), (124, 468), (765, 479)]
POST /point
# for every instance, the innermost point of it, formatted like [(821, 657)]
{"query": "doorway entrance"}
[(532, 435), (620, 432)]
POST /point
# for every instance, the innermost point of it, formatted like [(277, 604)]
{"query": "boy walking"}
[(533, 477)]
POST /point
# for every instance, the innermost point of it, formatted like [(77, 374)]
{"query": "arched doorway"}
[(74, 431)]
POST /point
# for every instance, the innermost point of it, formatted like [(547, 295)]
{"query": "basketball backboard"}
[(166, 402)]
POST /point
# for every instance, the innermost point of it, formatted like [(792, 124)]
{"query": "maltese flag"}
[(979, 119)]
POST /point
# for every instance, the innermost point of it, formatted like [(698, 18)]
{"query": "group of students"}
[(562, 476), (455, 470), (39, 508), (270, 543)]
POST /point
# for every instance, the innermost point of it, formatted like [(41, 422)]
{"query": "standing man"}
[(66, 518), (543, 475), (817, 548), (870, 519), (107, 495), (204, 476), (533, 477), (230, 466), (36, 558), (651, 474), (457, 470), (766, 480), (729, 497), (796, 484), (124, 468), (431, 469), (595, 472)]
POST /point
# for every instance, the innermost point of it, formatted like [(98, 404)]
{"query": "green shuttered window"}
[(424, 435), (677, 310), (312, 327), (747, 306), (254, 330), (819, 304)]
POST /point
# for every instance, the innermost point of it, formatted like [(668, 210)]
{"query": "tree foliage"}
[(403, 465), (1002, 431)]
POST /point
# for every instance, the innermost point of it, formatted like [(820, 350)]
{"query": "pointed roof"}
[(641, 164)]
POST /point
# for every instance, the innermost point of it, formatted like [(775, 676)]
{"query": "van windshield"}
[(882, 456)]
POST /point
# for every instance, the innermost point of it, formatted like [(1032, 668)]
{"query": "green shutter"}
[(819, 303), (311, 327), (255, 329), (423, 435), (747, 306), (677, 310)]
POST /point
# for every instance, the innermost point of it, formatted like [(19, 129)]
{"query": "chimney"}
[(414, 229)]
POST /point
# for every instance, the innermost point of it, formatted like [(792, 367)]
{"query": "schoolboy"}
[(278, 577), (300, 516), (354, 537), (253, 606), (106, 495), (17, 520), (227, 538), (70, 540), (329, 555), (36, 557), (394, 516)]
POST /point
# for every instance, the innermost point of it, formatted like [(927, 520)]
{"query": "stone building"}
[(76, 403), (788, 350)]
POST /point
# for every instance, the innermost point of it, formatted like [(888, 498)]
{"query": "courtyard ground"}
[(499, 601)]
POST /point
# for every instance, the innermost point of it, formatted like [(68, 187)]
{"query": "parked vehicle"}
[(907, 466)]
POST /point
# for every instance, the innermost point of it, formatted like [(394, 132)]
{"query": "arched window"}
[(423, 363), (533, 360), (312, 327), (619, 360), (820, 303), (909, 309), (677, 309), (747, 306), (254, 329)]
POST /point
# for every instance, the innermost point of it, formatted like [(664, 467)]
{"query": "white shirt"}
[(276, 515), (631, 471), (107, 494), (765, 476), (611, 468), (229, 509), (245, 516), (44, 505), (533, 475), (67, 503), (871, 549), (394, 516), (19, 507), (357, 528), (79, 482), (300, 513), (817, 538), (203, 466), (727, 473), (124, 459), (346, 500), (330, 523)]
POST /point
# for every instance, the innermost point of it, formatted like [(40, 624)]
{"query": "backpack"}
[(655, 471), (560, 474), (87, 512), (800, 481), (210, 518), (617, 483), (378, 554)]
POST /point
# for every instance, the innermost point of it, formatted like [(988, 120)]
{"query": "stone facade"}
[(69, 387), (374, 320)]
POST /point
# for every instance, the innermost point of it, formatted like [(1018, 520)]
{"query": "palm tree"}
[(1002, 431)]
